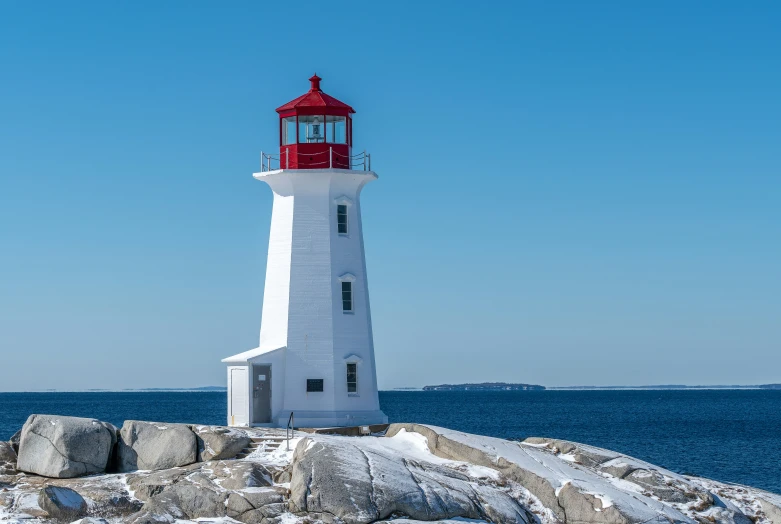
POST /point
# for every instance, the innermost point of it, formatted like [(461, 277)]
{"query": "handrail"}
[(290, 422), (362, 159)]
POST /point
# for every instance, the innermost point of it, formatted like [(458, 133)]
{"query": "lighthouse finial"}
[(315, 80)]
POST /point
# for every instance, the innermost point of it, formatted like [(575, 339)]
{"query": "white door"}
[(238, 409)]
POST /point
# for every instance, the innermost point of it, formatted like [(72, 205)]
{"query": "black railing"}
[(289, 431)]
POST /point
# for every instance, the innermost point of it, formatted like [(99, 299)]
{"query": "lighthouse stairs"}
[(263, 444)]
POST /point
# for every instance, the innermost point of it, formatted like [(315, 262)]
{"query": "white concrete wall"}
[(306, 258), (352, 332), (273, 330)]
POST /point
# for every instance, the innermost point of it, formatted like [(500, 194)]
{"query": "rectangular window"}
[(352, 378), (289, 130), (336, 129), (341, 219), (347, 296), (314, 385)]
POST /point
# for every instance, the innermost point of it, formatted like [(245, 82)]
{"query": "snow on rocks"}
[(561, 486), (279, 456), (362, 480), (578, 483), (104, 495), (413, 474), (7, 458), (770, 504), (446, 521), (761, 505)]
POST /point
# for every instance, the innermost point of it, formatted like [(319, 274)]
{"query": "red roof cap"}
[(315, 80), (315, 98)]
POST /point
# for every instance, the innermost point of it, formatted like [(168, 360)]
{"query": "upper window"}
[(289, 130), (352, 377), (336, 129), (341, 219), (311, 129), (347, 296)]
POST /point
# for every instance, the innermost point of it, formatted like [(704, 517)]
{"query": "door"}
[(238, 397), (261, 394)]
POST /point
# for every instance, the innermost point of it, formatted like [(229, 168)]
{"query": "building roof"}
[(315, 98), (243, 358)]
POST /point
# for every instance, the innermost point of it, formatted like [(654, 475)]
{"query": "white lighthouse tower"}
[(315, 358)]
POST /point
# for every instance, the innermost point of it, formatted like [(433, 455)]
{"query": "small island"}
[(485, 386)]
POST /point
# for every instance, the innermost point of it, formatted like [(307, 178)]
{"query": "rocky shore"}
[(64, 469)]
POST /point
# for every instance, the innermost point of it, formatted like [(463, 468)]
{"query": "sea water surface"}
[(728, 435)]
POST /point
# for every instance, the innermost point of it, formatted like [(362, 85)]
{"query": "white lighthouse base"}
[(316, 351), (244, 406), (332, 419)]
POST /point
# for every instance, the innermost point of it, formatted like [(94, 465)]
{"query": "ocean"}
[(728, 435)]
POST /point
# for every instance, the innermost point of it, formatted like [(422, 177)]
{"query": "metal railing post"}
[(331, 157), (290, 424), (261, 161), (370, 162), (364, 160)]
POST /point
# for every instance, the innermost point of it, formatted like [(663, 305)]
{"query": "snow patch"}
[(217, 520), (415, 446), (482, 472), (534, 445), (276, 457), (569, 457), (606, 501), (557, 472)]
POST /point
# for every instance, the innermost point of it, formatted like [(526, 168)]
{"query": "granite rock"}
[(155, 446), (219, 443), (65, 447), (62, 504)]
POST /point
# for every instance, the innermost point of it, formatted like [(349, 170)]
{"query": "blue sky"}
[(570, 193)]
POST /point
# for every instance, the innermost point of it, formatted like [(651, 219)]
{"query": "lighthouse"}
[(315, 358)]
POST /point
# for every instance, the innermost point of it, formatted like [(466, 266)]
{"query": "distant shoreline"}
[(489, 387), (485, 386), (664, 387), (531, 387)]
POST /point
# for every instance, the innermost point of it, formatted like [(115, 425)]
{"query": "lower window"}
[(352, 378)]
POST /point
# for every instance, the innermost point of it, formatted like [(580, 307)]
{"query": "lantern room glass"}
[(289, 130), (336, 129), (311, 129)]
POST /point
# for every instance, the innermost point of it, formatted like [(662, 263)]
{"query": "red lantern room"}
[(315, 131)]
